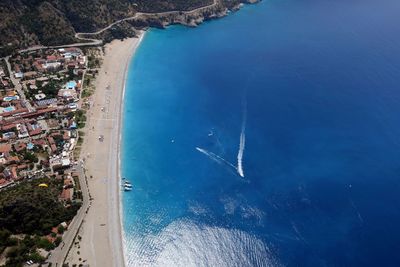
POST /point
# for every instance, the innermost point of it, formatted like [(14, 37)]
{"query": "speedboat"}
[(127, 188), (127, 185)]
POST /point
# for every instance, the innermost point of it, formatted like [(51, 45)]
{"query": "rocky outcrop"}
[(191, 19)]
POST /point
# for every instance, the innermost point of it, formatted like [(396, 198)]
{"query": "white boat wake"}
[(242, 143), (215, 157)]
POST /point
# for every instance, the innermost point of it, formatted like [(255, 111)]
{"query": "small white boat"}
[(127, 185), (126, 188)]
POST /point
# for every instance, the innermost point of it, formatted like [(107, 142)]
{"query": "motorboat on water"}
[(127, 185), (126, 188)]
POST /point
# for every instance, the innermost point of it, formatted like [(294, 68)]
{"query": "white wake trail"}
[(242, 142), (240, 154), (215, 157)]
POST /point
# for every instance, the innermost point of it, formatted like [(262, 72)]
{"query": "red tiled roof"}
[(39, 142), (38, 112), (14, 159), (35, 132), (51, 58), (52, 144), (22, 166), (5, 148), (20, 146), (53, 147), (14, 172), (51, 239), (8, 127), (66, 194)]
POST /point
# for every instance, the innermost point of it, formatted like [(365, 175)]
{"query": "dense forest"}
[(27, 215), (50, 22), (30, 209)]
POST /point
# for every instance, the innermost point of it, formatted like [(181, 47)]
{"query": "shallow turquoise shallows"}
[(270, 137)]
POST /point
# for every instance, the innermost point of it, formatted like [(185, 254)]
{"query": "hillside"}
[(25, 23)]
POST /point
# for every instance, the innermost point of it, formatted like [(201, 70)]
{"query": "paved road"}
[(59, 254), (93, 42), (18, 87)]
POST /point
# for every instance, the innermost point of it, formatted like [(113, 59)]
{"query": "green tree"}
[(60, 229)]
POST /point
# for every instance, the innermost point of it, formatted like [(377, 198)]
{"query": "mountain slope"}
[(25, 23)]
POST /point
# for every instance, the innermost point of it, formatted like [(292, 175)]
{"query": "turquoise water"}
[(10, 98), (267, 138), (8, 109), (71, 85)]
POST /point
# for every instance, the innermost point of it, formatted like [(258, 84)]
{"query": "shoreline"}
[(101, 237), (120, 134), (104, 244)]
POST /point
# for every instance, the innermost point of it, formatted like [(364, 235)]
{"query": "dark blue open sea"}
[(268, 138)]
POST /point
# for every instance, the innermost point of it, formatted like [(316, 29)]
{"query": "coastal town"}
[(44, 97), (160, 133)]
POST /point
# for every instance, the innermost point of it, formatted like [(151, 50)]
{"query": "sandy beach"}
[(101, 239)]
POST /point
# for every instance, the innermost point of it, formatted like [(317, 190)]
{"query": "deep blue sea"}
[(302, 99)]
